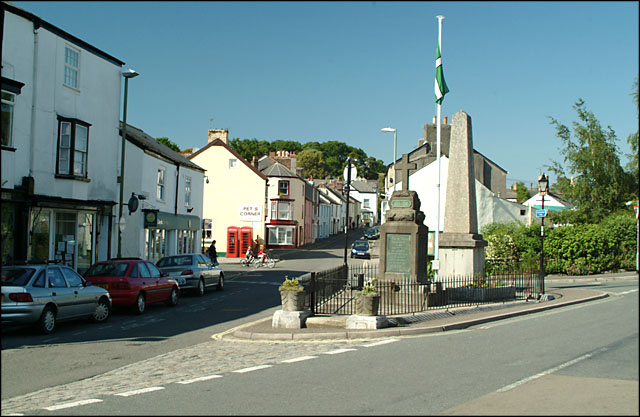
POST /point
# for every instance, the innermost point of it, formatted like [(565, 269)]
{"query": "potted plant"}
[(368, 301), (292, 295)]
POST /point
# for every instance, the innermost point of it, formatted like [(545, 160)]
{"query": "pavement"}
[(438, 320)]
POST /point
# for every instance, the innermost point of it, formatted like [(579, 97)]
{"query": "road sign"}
[(541, 213)]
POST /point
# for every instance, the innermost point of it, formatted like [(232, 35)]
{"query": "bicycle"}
[(267, 260)]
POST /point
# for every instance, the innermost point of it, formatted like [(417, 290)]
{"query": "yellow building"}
[(234, 198)]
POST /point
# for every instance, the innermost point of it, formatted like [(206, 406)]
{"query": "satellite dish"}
[(354, 172)]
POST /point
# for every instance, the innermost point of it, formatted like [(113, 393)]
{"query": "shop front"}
[(170, 234)]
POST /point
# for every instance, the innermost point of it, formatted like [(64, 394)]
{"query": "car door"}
[(207, 270), (85, 300), (162, 285), (61, 294), (148, 283)]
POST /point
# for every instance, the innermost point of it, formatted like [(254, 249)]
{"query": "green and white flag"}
[(440, 85)]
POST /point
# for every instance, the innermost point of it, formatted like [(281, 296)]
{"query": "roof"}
[(278, 170), (220, 142), (148, 143), (365, 186), (39, 22)]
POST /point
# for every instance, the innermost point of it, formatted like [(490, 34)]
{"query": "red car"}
[(133, 282)]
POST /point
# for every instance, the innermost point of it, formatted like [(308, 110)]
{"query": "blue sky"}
[(318, 71)]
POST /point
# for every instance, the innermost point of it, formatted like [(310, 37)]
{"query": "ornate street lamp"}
[(126, 74), (543, 183)]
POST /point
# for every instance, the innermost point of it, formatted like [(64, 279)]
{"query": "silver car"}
[(46, 294), (193, 271)]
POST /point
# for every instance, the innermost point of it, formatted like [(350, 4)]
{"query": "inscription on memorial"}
[(398, 247), (400, 203)]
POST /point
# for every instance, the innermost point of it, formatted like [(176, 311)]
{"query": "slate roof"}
[(148, 143), (365, 186), (278, 170)]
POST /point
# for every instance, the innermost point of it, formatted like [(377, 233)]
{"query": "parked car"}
[(360, 249), (133, 282), (192, 271), (372, 233), (44, 294)]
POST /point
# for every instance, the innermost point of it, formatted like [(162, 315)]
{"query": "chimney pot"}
[(445, 120), (434, 119)]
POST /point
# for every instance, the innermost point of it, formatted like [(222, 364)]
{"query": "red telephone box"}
[(246, 237), (232, 242)]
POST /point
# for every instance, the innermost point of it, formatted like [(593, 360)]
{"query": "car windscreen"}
[(361, 245), (110, 269), (16, 276), (174, 261)]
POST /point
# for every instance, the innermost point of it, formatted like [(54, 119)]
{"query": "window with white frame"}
[(8, 102), (71, 67), (73, 146), (233, 163), (366, 203), (283, 187), (281, 210), (160, 192), (187, 191)]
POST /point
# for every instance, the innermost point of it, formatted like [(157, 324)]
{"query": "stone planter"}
[(367, 305), (292, 300)]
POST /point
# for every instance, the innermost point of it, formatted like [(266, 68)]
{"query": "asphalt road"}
[(578, 360)]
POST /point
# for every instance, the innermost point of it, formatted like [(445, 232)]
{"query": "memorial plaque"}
[(400, 203), (398, 248)]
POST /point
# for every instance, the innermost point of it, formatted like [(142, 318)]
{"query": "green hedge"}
[(579, 249)]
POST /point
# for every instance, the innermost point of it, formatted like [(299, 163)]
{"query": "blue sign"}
[(541, 213)]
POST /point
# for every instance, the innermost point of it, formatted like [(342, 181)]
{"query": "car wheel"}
[(47, 321), (141, 304), (102, 311), (220, 285), (200, 290), (173, 297)]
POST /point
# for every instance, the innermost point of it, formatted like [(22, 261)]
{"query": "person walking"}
[(212, 253)]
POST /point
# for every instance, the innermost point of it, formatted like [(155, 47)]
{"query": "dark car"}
[(372, 233), (360, 249), (45, 294), (134, 282), (192, 271)]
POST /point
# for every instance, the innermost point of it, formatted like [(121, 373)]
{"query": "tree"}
[(312, 164), (594, 182), (633, 141), (522, 192), (169, 143)]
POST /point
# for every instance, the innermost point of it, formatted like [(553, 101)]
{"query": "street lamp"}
[(126, 74), (395, 145), (346, 225), (543, 183)]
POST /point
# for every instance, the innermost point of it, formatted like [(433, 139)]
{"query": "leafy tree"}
[(633, 141), (522, 192), (248, 148), (169, 143), (312, 164), (595, 182)]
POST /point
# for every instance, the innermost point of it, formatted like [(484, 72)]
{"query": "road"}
[(574, 360)]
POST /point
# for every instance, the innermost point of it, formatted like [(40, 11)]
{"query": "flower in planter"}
[(369, 289), (291, 285)]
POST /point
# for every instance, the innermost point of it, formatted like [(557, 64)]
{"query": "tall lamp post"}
[(347, 186), (543, 183), (126, 74), (395, 145)]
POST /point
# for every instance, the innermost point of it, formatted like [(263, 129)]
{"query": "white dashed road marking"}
[(334, 352), (202, 378), (253, 368), (301, 358), (382, 342), (72, 404), (139, 391)]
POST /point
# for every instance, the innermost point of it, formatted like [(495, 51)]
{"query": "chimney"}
[(445, 120), (222, 134), (254, 162)]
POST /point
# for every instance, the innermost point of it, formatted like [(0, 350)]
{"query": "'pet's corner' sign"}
[(250, 213)]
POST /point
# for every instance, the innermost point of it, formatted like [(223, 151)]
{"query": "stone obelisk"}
[(461, 247)]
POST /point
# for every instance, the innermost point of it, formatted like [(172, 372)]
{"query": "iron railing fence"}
[(335, 291)]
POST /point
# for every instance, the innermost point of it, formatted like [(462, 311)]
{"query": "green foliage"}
[(595, 182), (522, 192), (291, 284), (312, 163), (632, 140), (169, 143), (512, 246), (369, 289)]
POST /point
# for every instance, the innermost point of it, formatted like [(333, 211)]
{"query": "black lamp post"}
[(126, 74), (543, 183)]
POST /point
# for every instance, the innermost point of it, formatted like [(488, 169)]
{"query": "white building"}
[(366, 192), (60, 116)]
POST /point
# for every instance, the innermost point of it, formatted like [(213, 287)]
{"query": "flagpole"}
[(436, 252)]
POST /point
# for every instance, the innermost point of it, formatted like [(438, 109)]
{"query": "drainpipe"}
[(34, 86), (175, 209)]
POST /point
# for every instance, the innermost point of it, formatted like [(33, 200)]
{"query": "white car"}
[(193, 271)]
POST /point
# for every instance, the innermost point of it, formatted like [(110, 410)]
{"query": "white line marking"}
[(202, 378), (627, 292), (382, 342), (301, 358), (333, 352), (14, 414), (253, 368), (68, 405), (139, 391), (548, 371)]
